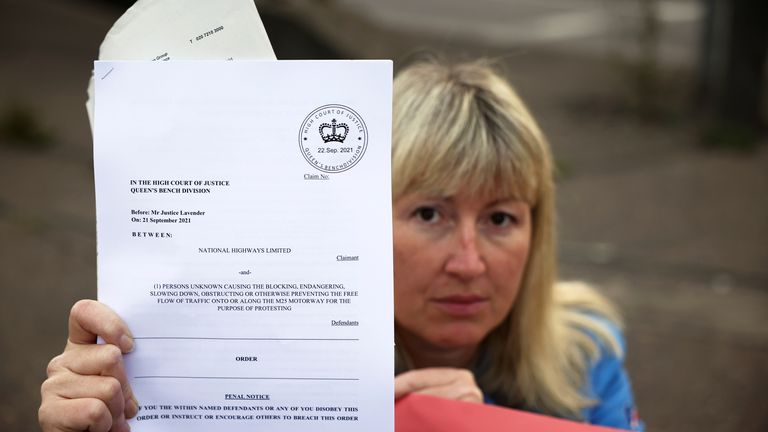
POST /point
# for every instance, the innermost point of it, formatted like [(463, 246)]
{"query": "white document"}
[(244, 234), (162, 30)]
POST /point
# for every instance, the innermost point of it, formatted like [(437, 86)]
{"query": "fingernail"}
[(126, 343)]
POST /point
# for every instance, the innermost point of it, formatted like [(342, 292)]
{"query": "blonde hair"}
[(463, 127)]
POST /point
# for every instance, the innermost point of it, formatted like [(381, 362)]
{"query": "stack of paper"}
[(161, 30)]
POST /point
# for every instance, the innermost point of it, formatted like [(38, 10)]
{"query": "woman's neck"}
[(423, 354)]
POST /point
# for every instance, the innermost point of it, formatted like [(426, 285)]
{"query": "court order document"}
[(244, 235)]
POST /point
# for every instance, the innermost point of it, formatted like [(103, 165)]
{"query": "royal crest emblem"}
[(328, 131)]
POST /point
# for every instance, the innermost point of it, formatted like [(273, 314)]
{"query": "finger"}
[(462, 392), (72, 386), (77, 415), (89, 319), (419, 379), (101, 360)]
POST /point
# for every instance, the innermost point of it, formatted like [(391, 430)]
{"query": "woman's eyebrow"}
[(509, 200), (442, 198)]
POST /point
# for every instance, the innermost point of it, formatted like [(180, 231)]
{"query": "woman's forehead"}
[(513, 190)]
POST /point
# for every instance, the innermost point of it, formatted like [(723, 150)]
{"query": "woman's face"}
[(458, 264)]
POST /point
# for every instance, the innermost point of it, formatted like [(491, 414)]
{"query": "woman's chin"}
[(456, 337)]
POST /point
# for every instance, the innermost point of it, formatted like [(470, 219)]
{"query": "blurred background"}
[(655, 111)]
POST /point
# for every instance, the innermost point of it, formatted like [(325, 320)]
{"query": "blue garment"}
[(609, 385)]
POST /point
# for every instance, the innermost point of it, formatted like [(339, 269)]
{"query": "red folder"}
[(422, 413)]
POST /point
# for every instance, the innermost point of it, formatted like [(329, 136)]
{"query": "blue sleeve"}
[(610, 387)]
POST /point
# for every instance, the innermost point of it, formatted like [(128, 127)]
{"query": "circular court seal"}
[(333, 138)]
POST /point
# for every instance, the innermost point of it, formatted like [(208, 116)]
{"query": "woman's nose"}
[(465, 261)]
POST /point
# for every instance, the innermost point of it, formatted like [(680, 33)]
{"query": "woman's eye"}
[(502, 219), (427, 214)]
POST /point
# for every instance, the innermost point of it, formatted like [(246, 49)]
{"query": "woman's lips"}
[(461, 305)]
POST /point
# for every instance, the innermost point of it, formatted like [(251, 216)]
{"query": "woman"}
[(478, 314), (475, 259)]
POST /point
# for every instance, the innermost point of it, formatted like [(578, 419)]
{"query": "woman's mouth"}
[(461, 305)]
